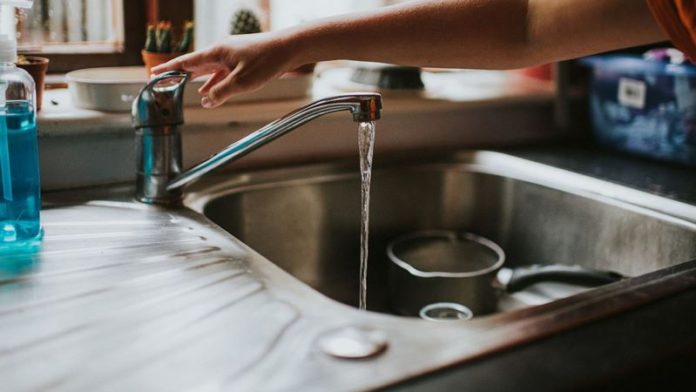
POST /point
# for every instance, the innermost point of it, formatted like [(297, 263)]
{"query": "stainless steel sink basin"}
[(167, 300), (306, 220)]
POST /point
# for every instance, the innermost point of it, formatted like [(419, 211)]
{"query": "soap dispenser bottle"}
[(20, 191)]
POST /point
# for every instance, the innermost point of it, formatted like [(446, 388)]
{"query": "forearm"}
[(489, 34), (561, 30)]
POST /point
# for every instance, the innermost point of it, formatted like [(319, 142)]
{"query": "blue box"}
[(644, 106)]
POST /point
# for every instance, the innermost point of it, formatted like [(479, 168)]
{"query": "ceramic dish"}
[(113, 89)]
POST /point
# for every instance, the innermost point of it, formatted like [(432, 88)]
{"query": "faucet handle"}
[(160, 102)]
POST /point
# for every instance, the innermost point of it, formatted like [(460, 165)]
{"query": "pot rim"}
[(448, 234), (34, 61)]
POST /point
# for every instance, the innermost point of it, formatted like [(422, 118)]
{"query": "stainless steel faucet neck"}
[(364, 107), (158, 141)]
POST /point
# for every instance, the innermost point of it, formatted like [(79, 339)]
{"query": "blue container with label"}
[(645, 104)]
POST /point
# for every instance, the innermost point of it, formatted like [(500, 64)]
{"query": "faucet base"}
[(174, 202), (152, 189)]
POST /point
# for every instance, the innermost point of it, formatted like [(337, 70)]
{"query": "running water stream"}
[(366, 145)]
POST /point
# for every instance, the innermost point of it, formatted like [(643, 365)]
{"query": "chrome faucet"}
[(158, 114)]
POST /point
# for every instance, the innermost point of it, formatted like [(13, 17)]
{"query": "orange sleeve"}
[(678, 20)]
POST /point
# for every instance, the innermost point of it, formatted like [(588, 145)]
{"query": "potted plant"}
[(36, 67), (160, 46), (245, 21)]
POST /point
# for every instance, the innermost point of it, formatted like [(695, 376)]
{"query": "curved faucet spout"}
[(363, 106)]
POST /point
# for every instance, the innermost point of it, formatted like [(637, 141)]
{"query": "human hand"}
[(239, 63)]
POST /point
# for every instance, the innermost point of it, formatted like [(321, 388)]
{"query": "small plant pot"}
[(152, 59), (36, 67)]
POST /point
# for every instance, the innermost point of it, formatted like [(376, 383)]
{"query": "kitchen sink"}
[(260, 293), (306, 220)]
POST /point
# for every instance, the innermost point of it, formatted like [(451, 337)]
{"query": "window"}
[(215, 16), (88, 33), (84, 33), (286, 14), (68, 26)]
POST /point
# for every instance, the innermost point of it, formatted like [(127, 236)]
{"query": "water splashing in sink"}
[(366, 144)]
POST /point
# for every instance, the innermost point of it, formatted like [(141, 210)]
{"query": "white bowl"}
[(113, 89)]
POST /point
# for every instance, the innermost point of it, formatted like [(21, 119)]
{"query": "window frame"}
[(136, 16)]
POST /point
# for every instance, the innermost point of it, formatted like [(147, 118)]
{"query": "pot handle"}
[(523, 277)]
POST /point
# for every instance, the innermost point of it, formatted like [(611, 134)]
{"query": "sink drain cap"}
[(353, 342)]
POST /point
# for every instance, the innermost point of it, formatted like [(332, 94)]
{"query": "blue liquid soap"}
[(20, 198)]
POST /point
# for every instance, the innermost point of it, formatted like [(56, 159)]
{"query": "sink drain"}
[(353, 342)]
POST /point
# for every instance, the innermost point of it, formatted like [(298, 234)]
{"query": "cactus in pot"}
[(160, 45), (164, 37), (245, 21), (186, 42), (151, 39)]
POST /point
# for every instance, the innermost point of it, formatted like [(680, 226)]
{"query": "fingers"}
[(215, 79), (179, 63), (196, 62), (223, 90)]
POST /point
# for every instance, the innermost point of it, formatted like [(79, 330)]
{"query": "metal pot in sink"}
[(442, 274)]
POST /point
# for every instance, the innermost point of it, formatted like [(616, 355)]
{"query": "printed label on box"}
[(632, 93)]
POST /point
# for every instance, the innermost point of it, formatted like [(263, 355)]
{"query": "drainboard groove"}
[(99, 249), (160, 344), (106, 315), (76, 263), (148, 319), (251, 329), (159, 278), (113, 271)]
